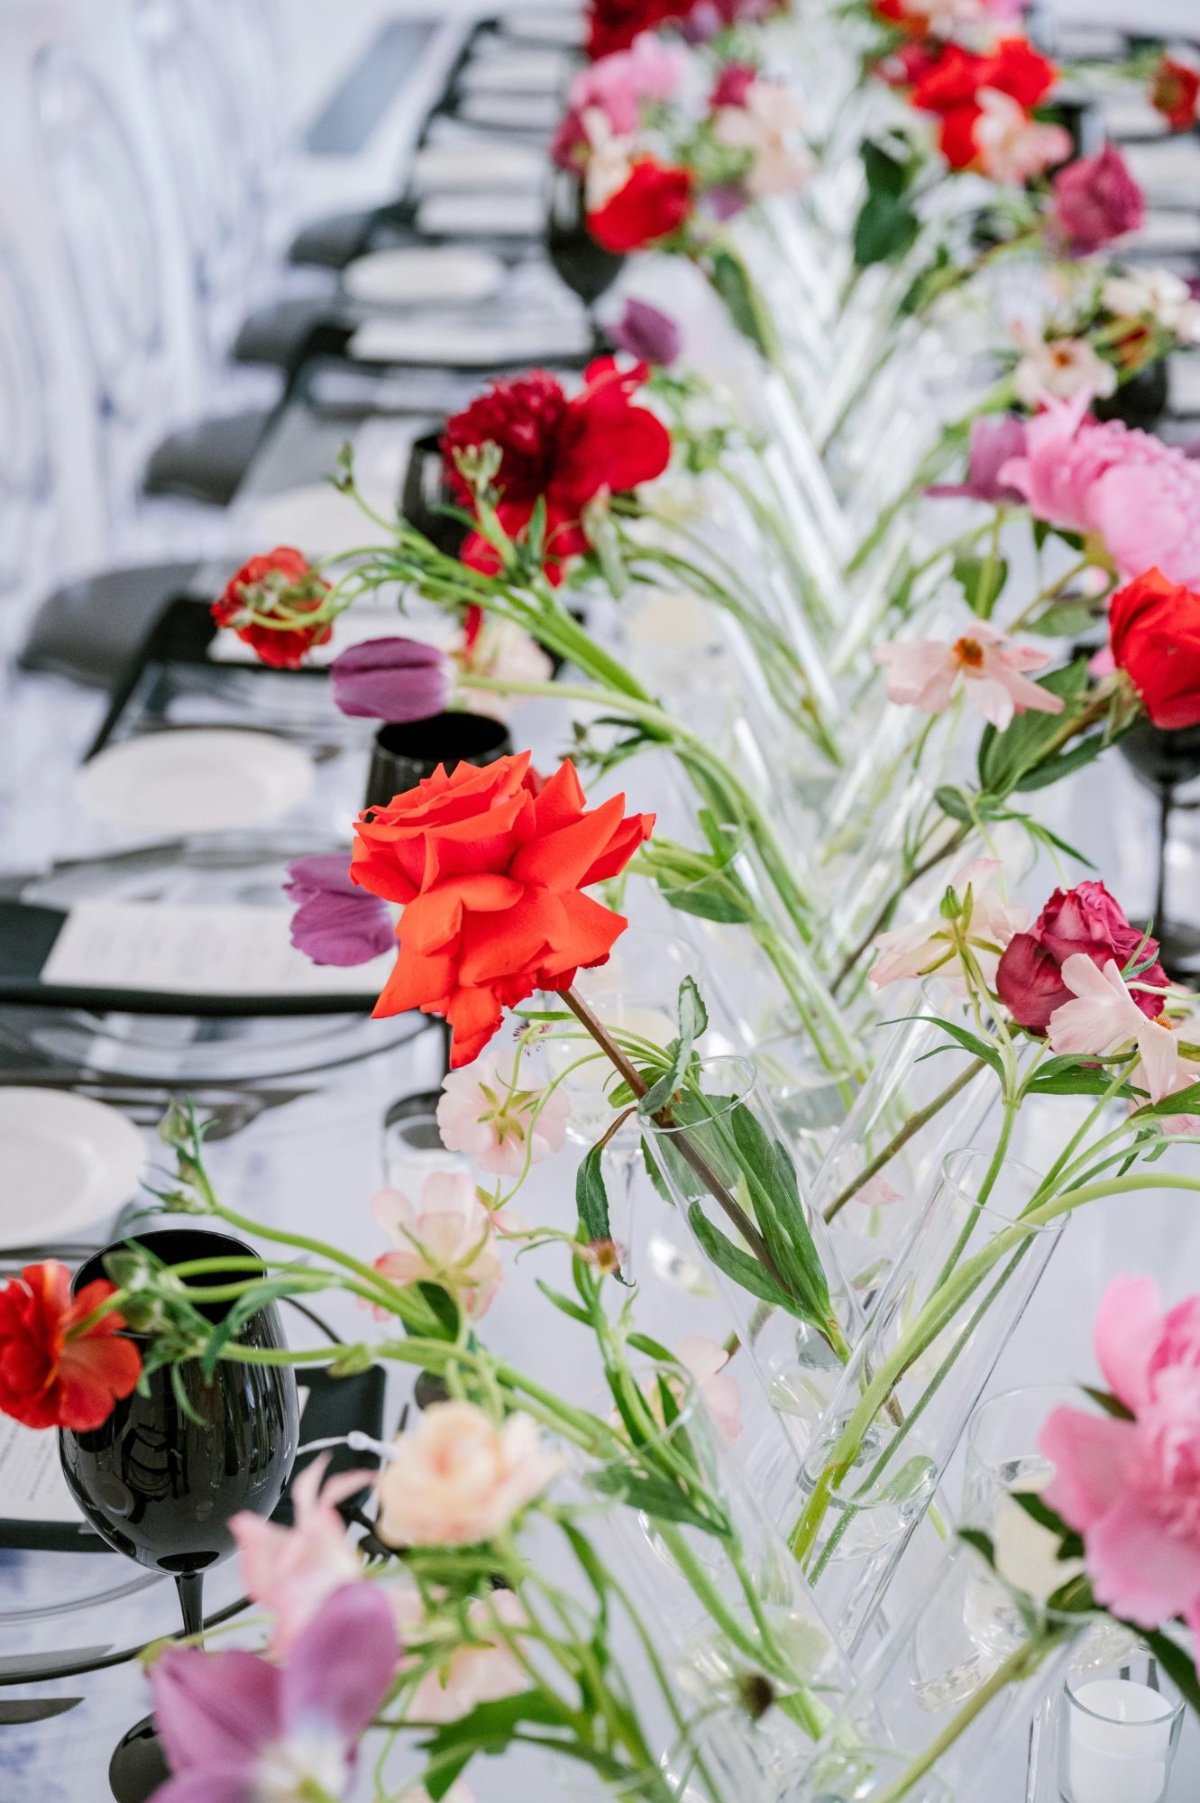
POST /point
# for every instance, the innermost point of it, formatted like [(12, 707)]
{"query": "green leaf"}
[(1065, 620), (1184, 1101), (970, 1042), (885, 229), (693, 1019), (885, 172), (981, 1542), (955, 803), (1041, 1512), (1064, 763), (488, 1728), (745, 1270), (563, 1303), (982, 580), (770, 1178), (655, 1496), (1005, 757), (709, 899), (732, 285), (1177, 1664), (591, 1197), (1112, 1405)]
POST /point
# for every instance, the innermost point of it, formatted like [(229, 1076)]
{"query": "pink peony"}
[(924, 673), (446, 1238), (1141, 496), (291, 1571), (1132, 1488), (1093, 201), (619, 85), (458, 1478), (490, 1120), (705, 1362)]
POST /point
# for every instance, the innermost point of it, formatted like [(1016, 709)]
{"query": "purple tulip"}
[(726, 200), (230, 1721), (994, 442), (335, 921), (647, 333), (391, 679)]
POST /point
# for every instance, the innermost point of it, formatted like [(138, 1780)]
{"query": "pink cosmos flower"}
[(1093, 201), (718, 1390), (458, 1793), (1141, 496), (766, 124), (924, 673), (238, 1728), (291, 1571), (480, 1672), (1104, 1018), (457, 1477), (1013, 147), (446, 1238), (927, 947), (482, 1115), (1132, 1488)]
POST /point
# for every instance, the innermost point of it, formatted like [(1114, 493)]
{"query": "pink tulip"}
[(446, 1238), (335, 922), (1104, 1019), (457, 1477), (486, 1116), (993, 444), (291, 1571), (1132, 1488), (924, 673)]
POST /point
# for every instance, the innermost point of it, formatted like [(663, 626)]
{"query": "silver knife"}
[(16, 1713), (13, 1664)]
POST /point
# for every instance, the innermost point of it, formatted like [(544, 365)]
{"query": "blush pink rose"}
[(458, 1477), (1132, 1488)]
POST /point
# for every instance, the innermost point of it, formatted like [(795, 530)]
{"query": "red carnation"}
[(55, 1372), (277, 586), (1084, 919), (1154, 629), (655, 201), (951, 85), (562, 450), (489, 866), (1175, 92)]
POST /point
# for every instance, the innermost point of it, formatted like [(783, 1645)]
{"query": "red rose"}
[(559, 450), (955, 78), (956, 135), (1175, 91), (655, 201), (1154, 630), (277, 586), (1016, 68), (52, 1374), (1084, 919), (951, 85), (489, 868)]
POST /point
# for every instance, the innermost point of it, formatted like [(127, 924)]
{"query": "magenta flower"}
[(335, 921), (647, 333), (1087, 920), (994, 443), (1093, 201), (1132, 1488), (391, 679), (237, 1728)]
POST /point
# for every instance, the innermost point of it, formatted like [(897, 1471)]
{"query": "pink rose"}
[(1085, 919), (1132, 1488), (458, 1478), (1094, 200), (446, 1238)]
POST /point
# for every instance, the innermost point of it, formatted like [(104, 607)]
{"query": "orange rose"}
[(489, 871)]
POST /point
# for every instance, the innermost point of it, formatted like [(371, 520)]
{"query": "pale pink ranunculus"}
[(1132, 1488), (766, 123), (928, 947), (491, 1119), (446, 1238), (924, 673), (609, 159), (1059, 369), (706, 1362), (1103, 1019), (483, 1671), (292, 1570), (457, 1477), (1141, 496), (1013, 147)]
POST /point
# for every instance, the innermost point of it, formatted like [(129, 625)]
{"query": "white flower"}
[(1013, 147), (766, 125), (610, 159), (504, 652), (1060, 369), (491, 1120), (1156, 294), (927, 946)]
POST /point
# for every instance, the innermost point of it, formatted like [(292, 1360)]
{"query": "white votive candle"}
[(1119, 1748)]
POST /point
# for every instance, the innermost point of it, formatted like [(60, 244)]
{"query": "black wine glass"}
[(1165, 761), (160, 1483), (585, 266), (426, 493), (1141, 401), (406, 752)]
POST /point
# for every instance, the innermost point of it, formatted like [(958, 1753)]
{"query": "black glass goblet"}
[(1164, 761), (1141, 401), (426, 493), (160, 1483), (585, 266)]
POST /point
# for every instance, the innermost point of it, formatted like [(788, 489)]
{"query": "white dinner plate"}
[(196, 781), (517, 71), (68, 1162), (466, 344), (500, 213), (473, 164), (421, 275)]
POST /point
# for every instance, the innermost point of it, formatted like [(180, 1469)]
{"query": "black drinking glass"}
[(161, 1484), (426, 492), (585, 266), (405, 753), (1165, 761), (1141, 401)]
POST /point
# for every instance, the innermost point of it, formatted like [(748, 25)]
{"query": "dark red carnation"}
[(1085, 919), (655, 201), (276, 587), (563, 450), (1175, 92), (55, 1371), (613, 24), (1154, 630)]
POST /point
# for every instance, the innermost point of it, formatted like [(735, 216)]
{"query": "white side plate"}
[(68, 1162)]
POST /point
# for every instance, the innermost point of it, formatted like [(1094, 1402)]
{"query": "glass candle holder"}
[(1118, 1731)]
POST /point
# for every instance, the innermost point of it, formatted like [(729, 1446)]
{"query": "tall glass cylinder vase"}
[(725, 1164), (941, 1699), (949, 1307)]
